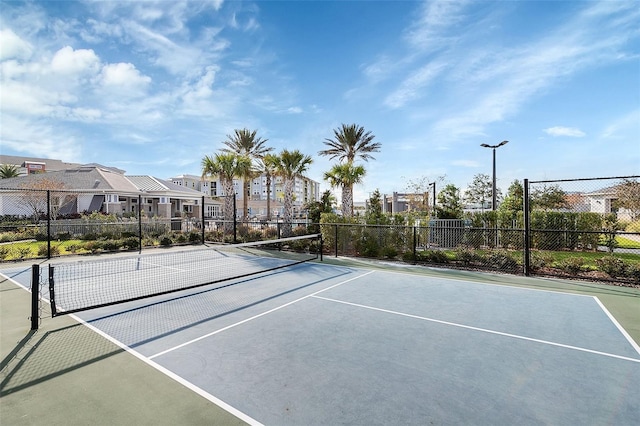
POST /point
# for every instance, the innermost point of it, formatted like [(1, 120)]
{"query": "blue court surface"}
[(328, 345)]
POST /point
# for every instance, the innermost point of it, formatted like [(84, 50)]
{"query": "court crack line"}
[(484, 330), (256, 316)]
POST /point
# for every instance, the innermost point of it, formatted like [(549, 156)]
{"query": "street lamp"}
[(493, 190), (434, 197)]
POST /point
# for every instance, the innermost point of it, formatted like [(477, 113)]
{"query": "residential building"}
[(305, 191), (95, 188), (33, 165)]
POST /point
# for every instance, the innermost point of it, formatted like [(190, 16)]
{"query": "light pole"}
[(493, 188), (434, 198)]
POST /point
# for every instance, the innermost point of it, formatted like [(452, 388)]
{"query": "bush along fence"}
[(584, 228), (45, 224)]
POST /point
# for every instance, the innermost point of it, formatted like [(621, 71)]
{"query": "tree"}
[(480, 190), (449, 205), (34, 197), (316, 208), (514, 201), (267, 165), (549, 197), (374, 208), (290, 165), (628, 197), (9, 171), (227, 166), (245, 142), (350, 142), (345, 176)]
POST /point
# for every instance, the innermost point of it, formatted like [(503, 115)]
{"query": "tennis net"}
[(83, 285)]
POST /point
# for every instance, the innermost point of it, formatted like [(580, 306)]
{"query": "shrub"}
[(111, 245), (131, 243), (502, 260), (540, 259), (23, 252), (42, 250), (165, 241), (4, 252), (389, 252), (633, 272), (572, 265), (612, 266), (72, 248), (432, 256), (467, 256), (368, 247), (63, 236), (93, 246), (408, 257)]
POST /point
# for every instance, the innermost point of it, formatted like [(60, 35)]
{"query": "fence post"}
[(235, 219), (415, 243), (527, 230), (335, 228), (202, 220), (48, 224), (35, 296), (139, 223)]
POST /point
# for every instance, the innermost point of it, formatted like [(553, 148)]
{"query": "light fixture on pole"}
[(493, 187)]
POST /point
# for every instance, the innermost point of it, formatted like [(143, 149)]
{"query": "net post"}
[(527, 230), (35, 296), (139, 223), (52, 294), (335, 227), (321, 246)]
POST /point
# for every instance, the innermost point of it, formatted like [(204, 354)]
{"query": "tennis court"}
[(328, 344)]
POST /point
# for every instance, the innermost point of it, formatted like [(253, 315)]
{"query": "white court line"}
[(484, 330), (157, 265), (618, 326), (255, 316)]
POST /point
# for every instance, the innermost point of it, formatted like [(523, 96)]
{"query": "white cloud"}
[(565, 131), (13, 46), (124, 78), (627, 125), (69, 61), (412, 87)]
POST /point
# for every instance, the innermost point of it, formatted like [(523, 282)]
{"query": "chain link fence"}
[(583, 228)]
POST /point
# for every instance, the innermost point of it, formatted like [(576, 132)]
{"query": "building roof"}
[(51, 164), (101, 179)]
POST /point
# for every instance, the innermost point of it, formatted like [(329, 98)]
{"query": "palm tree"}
[(267, 166), (351, 141), (345, 175), (9, 171), (245, 142), (289, 165), (226, 166)]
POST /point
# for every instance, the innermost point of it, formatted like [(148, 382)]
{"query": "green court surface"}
[(345, 341)]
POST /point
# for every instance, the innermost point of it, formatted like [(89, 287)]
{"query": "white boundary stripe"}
[(617, 324), (484, 330), (255, 316), (239, 414)]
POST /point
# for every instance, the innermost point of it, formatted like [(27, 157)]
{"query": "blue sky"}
[(153, 87)]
